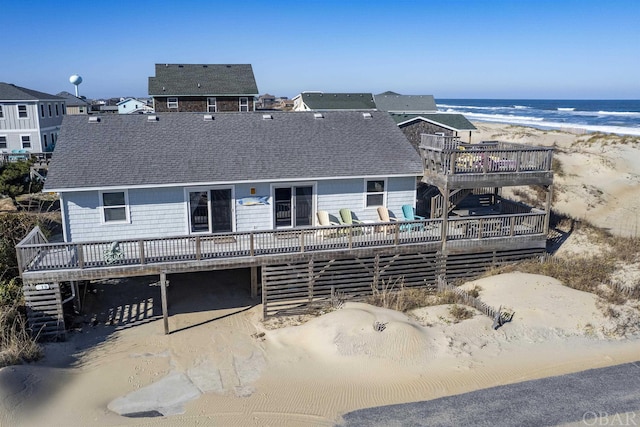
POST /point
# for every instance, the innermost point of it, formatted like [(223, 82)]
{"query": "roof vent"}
[(180, 66), (198, 84), (205, 66), (94, 119), (318, 116), (152, 118), (267, 117), (208, 118), (163, 89), (366, 115)]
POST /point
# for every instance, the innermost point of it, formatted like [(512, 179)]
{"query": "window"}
[(26, 141), (22, 112), (114, 206), (57, 110), (375, 193), (81, 109), (244, 104), (42, 110), (1, 112), (3, 142), (172, 103), (211, 105), (64, 109), (46, 143), (49, 105)]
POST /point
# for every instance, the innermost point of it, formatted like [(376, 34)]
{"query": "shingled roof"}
[(123, 151), (452, 121), (321, 101), (11, 92), (395, 103), (203, 80)]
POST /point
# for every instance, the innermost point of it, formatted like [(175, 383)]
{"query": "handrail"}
[(36, 255)]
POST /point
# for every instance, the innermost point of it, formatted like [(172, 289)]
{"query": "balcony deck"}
[(449, 162), (42, 261)]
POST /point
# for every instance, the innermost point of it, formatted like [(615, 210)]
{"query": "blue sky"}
[(555, 49)]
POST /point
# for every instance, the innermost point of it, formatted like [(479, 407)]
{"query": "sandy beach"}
[(222, 365)]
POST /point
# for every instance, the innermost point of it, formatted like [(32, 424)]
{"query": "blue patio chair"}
[(409, 215)]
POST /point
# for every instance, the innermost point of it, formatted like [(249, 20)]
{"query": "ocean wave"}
[(619, 113), (469, 107), (502, 117), (526, 121), (566, 108), (521, 107)]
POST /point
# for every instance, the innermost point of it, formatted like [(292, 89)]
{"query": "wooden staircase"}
[(455, 197)]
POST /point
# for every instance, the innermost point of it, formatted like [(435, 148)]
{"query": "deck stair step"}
[(455, 197), (44, 310)]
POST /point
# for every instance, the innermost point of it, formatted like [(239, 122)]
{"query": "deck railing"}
[(449, 156), (36, 254)]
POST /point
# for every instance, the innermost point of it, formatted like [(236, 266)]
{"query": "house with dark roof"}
[(392, 102), (448, 124), (321, 101), (74, 104), (418, 114), (29, 120), (206, 88), (234, 172)]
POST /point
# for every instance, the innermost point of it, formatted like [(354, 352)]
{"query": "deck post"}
[(445, 215), (547, 215), (254, 282), (163, 294)]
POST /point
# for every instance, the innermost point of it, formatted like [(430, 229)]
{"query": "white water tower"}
[(75, 80)]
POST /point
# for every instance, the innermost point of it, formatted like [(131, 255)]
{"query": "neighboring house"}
[(133, 106), (418, 114), (448, 124), (266, 102), (392, 102), (203, 88), (122, 177), (29, 120), (320, 101), (74, 104)]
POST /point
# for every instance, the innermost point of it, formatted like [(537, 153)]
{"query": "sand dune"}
[(223, 366)]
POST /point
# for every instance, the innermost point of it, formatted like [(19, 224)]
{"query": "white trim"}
[(208, 188), (127, 209), (214, 105), (26, 110), (22, 142), (293, 184), (366, 193), (170, 103), (213, 183), (240, 104), (63, 218)]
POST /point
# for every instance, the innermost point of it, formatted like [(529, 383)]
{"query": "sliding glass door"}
[(293, 206), (211, 211)]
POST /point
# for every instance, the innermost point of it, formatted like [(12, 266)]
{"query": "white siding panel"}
[(153, 213), (255, 217)]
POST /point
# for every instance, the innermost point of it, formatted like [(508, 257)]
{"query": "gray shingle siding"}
[(182, 148)]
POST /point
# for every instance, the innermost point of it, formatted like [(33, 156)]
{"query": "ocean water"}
[(610, 116)]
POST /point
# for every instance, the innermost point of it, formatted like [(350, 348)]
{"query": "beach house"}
[(29, 120), (312, 203), (203, 88)]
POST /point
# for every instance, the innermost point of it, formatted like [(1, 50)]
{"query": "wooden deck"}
[(42, 261), (449, 162)]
